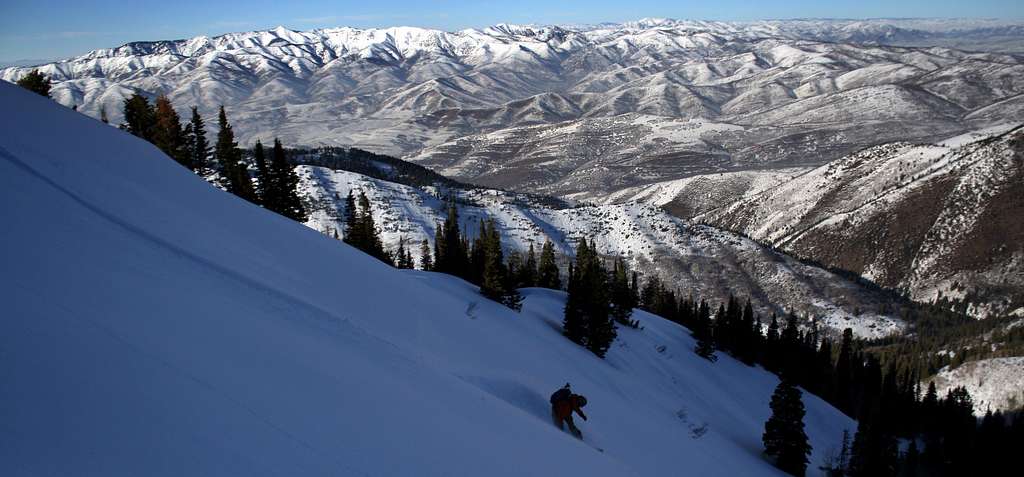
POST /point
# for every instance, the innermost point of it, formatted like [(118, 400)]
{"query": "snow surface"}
[(154, 325), (996, 383)]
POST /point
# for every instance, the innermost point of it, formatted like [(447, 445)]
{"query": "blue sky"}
[(46, 29)]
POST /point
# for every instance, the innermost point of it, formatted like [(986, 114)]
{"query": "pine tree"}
[(351, 223), (403, 259), (843, 374), (771, 345), (874, 453), (574, 325), (496, 282), (167, 133), (789, 349), (365, 235), (284, 185), (36, 82), (139, 117), (103, 115), (784, 437), (264, 188), (489, 243), (449, 248), (426, 262), (587, 318), (746, 340), (528, 272), (600, 327), (229, 157), (547, 270), (703, 333), (197, 144), (838, 465), (650, 294), (622, 303)]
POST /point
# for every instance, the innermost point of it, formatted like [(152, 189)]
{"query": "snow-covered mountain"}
[(575, 110), (155, 325), (938, 220), (694, 259)]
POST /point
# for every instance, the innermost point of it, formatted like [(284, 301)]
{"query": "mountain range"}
[(577, 111), (648, 111)]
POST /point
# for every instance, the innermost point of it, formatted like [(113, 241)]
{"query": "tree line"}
[(945, 438), (274, 183)]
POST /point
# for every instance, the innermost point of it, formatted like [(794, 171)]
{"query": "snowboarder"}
[(563, 404)]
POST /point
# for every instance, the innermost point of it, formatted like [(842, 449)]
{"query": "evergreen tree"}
[(837, 465), (588, 319), (263, 189), (283, 186), (197, 144), (574, 324), (702, 332), (784, 437), (528, 272), (139, 117), (843, 374), (622, 303), (771, 346), (495, 282), (364, 234), (167, 133), (403, 258), (103, 115), (650, 294), (547, 270), (789, 349), (351, 223), (426, 262), (229, 157), (36, 82), (746, 341), (874, 453), (449, 248)]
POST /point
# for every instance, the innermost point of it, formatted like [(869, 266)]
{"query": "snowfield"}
[(154, 325)]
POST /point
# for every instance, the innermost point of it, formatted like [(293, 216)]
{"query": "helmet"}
[(582, 401)]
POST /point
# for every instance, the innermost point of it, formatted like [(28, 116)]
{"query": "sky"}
[(50, 29)]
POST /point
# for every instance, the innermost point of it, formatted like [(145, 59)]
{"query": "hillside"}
[(695, 260), (938, 221), (155, 325)]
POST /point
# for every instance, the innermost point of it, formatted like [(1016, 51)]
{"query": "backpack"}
[(561, 395)]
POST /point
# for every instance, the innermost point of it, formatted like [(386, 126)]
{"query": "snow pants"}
[(572, 425)]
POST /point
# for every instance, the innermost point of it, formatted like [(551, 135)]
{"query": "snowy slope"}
[(936, 220), (996, 384), (690, 258), (154, 325)]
